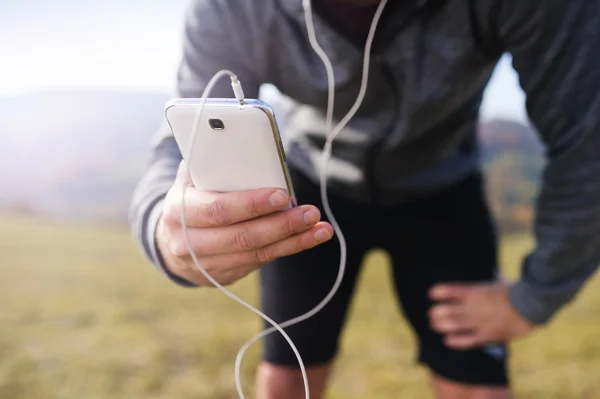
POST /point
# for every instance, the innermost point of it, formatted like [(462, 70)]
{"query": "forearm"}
[(567, 232), (567, 224)]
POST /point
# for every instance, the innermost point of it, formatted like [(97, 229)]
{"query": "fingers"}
[(449, 318), (234, 233), (449, 292), (452, 320), (449, 315), (208, 209), (318, 234), (463, 341), (249, 235)]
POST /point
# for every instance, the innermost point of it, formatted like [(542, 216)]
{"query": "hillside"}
[(79, 154), (75, 153), (513, 161)]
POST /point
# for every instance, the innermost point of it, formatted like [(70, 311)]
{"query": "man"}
[(404, 175)]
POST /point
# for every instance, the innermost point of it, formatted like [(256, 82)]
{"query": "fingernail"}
[(311, 217), (322, 235), (278, 199)]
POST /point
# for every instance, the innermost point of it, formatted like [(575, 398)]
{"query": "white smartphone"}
[(237, 147)]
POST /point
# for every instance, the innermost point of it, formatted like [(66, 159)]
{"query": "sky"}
[(88, 44)]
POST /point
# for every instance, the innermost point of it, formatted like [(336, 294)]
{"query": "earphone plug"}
[(238, 92)]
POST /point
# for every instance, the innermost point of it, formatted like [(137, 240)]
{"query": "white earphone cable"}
[(326, 154), (239, 94), (331, 134)]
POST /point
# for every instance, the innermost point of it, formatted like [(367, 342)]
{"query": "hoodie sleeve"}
[(555, 45), (209, 45)]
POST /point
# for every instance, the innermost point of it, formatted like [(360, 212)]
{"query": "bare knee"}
[(285, 382), (446, 389), (276, 382)]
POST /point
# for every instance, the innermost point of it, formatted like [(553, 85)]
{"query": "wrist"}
[(165, 262), (529, 306)]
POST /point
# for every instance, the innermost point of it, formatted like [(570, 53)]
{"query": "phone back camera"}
[(216, 124)]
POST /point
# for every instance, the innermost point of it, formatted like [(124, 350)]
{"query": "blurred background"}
[(82, 89)]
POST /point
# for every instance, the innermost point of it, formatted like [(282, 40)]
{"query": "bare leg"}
[(446, 389), (280, 382)]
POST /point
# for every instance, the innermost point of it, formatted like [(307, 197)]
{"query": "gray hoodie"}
[(416, 130)]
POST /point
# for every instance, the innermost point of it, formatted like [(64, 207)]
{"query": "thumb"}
[(183, 174), (449, 291)]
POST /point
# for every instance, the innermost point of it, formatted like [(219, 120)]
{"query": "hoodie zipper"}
[(373, 190)]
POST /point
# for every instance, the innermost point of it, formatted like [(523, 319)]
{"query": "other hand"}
[(474, 315), (233, 234)]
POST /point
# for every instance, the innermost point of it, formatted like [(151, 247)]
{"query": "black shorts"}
[(448, 236)]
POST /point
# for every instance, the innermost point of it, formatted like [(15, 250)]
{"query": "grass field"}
[(84, 317)]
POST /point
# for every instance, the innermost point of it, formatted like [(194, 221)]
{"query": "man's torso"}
[(415, 131)]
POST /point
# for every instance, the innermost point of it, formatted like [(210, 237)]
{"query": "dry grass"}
[(84, 317)]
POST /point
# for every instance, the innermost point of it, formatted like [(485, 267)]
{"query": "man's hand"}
[(474, 315), (233, 234)]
